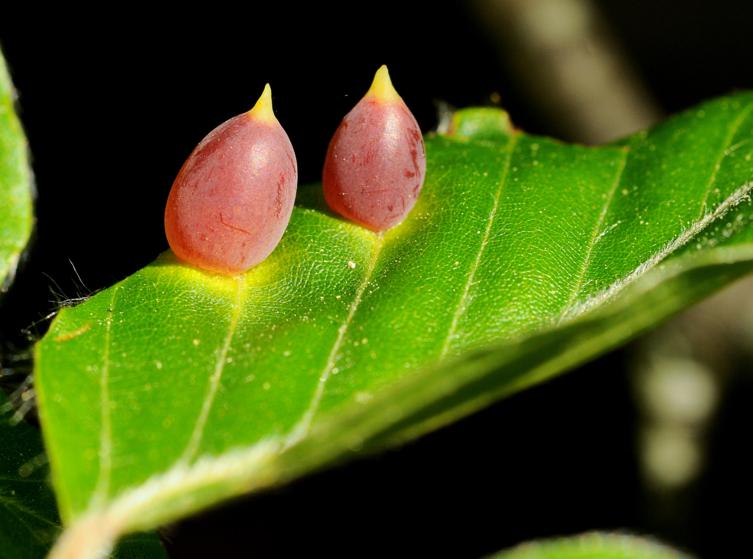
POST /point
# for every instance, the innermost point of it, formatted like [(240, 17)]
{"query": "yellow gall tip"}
[(263, 110), (381, 88)]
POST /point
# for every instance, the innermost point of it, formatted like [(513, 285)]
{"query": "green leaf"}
[(592, 546), (16, 218), (176, 389), (29, 522)]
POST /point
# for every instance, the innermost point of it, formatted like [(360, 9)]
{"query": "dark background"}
[(113, 104)]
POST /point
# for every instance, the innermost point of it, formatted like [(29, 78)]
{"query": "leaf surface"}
[(175, 389), (16, 218)]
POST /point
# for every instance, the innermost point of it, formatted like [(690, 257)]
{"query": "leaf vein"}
[(303, 426), (723, 153), (703, 220), (214, 380), (463, 301), (658, 257), (102, 489), (597, 232)]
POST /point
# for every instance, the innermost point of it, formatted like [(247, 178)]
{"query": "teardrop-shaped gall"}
[(232, 199), (376, 160)]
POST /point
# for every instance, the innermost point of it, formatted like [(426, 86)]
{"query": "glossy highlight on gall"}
[(376, 161), (232, 199)]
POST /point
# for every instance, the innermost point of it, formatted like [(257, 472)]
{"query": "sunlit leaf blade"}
[(592, 546), (15, 183), (29, 521), (524, 256)]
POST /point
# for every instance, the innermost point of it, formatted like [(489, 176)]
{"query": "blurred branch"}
[(564, 56), (680, 376)]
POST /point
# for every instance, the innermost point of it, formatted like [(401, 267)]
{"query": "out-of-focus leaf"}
[(28, 517), (592, 546), (16, 218)]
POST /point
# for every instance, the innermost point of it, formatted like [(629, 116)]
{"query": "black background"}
[(113, 103)]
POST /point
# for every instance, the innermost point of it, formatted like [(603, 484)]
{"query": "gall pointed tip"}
[(263, 110), (381, 88)]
